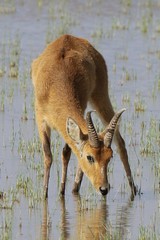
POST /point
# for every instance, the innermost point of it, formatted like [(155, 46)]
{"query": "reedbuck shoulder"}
[(68, 74)]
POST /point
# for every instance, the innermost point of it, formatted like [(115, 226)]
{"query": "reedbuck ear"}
[(74, 131)]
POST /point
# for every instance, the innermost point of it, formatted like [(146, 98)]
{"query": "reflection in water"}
[(90, 221), (123, 219), (45, 225), (64, 226)]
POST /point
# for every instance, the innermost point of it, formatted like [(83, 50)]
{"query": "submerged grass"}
[(59, 21), (150, 140), (25, 186), (146, 233), (139, 104)]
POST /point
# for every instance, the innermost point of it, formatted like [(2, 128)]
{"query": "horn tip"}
[(92, 111), (122, 110), (89, 112)]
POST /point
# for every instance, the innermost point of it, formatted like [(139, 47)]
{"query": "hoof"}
[(45, 194), (76, 188), (134, 192), (62, 189)]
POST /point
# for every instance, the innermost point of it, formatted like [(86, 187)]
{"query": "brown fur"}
[(66, 76)]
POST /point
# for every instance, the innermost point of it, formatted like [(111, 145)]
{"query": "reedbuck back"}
[(66, 76)]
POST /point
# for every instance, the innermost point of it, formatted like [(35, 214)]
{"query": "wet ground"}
[(127, 33)]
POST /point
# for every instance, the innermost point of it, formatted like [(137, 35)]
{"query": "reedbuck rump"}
[(68, 74)]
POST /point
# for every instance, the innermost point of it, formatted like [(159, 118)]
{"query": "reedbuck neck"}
[(69, 74)]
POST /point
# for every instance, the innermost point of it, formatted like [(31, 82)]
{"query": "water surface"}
[(127, 33)]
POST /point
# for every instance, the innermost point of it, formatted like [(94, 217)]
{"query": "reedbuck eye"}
[(90, 159)]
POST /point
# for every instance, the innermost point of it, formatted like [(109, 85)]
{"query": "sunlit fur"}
[(66, 76)]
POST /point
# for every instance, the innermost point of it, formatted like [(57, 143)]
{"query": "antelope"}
[(67, 75)]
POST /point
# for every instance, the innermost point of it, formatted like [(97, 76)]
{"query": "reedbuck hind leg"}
[(45, 132), (124, 157), (66, 153), (102, 105)]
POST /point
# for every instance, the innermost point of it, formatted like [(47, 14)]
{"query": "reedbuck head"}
[(94, 150)]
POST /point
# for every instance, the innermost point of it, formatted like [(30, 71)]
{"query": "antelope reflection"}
[(45, 230), (90, 220)]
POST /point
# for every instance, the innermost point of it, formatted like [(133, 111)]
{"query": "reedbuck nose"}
[(104, 190)]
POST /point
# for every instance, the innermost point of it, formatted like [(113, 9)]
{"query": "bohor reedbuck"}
[(68, 74)]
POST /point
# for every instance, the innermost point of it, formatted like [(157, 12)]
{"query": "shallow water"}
[(127, 33)]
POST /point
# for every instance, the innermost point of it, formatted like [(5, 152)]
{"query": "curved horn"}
[(109, 132), (92, 134)]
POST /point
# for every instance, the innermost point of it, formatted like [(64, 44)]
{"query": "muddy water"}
[(127, 33)]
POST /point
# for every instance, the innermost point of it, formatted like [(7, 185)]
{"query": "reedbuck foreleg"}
[(66, 153), (78, 180)]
